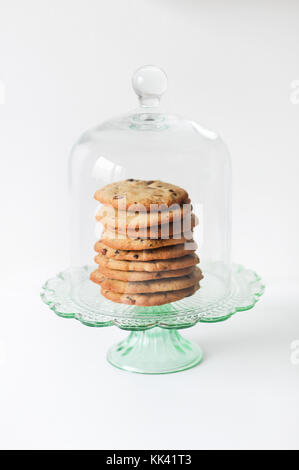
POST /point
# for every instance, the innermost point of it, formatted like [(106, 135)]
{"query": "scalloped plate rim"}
[(201, 317)]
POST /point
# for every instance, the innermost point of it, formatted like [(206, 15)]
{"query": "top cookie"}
[(138, 195)]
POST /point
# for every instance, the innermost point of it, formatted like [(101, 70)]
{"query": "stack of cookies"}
[(146, 254)]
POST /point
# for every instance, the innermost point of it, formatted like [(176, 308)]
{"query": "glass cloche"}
[(131, 178), (148, 144)]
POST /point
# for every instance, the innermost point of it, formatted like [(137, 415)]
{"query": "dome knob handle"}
[(149, 83)]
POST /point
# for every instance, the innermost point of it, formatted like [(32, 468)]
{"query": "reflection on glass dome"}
[(106, 170)]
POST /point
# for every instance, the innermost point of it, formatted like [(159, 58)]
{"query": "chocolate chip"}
[(150, 182), (136, 256), (171, 190), (116, 252), (118, 196), (158, 275), (104, 251), (130, 179), (130, 299)]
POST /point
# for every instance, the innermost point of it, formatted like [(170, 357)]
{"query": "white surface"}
[(66, 65)]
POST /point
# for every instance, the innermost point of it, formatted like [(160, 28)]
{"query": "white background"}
[(65, 66)]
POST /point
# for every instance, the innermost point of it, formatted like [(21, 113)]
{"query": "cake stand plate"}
[(154, 345)]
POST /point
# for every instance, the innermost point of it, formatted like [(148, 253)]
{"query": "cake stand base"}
[(155, 351)]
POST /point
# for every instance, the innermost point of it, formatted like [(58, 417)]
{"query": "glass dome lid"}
[(150, 145)]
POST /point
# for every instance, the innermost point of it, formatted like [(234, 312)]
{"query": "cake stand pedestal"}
[(155, 351), (154, 345)]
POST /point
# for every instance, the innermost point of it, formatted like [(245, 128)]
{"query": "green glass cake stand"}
[(154, 345)]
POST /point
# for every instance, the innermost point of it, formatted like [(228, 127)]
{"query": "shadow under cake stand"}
[(154, 345)]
